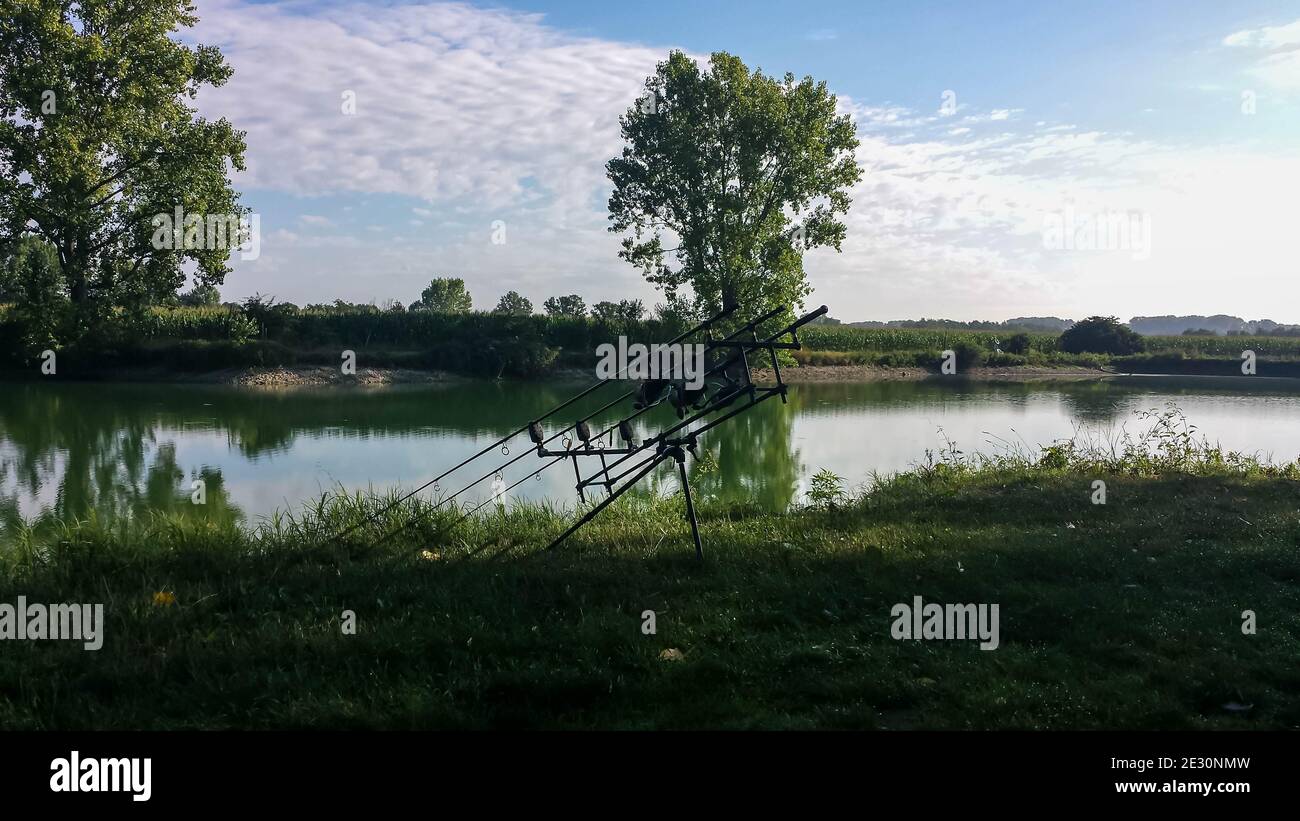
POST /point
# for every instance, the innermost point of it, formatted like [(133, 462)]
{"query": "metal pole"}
[(591, 514), (690, 505)]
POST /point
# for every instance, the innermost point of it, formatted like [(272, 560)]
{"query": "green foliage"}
[(98, 136), (513, 304), (1225, 346), (626, 310), (1018, 343), (825, 490), (841, 338), (1100, 334), (203, 295), (445, 295), (744, 171), (31, 279), (571, 305), (968, 356)]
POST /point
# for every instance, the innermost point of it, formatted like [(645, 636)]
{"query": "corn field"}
[(839, 338)]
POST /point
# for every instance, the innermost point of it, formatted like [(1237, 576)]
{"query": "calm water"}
[(120, 449)]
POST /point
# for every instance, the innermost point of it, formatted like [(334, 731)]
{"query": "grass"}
[(1126, 614)]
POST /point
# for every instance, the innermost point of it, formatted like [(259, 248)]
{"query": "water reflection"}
[(73, 450)]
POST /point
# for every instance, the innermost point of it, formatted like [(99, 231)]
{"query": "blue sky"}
[(1178, 120)]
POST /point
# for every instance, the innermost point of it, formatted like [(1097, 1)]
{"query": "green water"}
[(115, 450)]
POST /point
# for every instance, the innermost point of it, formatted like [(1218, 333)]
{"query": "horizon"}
[(981, 156)]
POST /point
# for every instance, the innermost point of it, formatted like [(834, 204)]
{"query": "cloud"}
[(1279, 48), (452, 103), (1266, 37)]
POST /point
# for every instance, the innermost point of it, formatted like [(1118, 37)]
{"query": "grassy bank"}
[(1126, 614)]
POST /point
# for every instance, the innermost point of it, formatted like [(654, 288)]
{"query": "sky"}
[(1019, 158)]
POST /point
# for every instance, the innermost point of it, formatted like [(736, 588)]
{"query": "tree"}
[(445, 295), (1100, 334), (31, 280), (201, 295), (98, 138), (626, 310), (512, 304), (745, 172), (571, 305)]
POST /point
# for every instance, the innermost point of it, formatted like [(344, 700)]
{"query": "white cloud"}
[(1266, 37), (452, 102), (1279, 48)]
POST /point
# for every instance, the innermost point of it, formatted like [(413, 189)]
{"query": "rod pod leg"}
[(680, 457)]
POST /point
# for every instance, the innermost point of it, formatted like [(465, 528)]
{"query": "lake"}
[(122, 449)]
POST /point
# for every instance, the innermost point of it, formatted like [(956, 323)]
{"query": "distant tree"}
[(627, 309), (571, 305), (445, 295), (513, 304), (1100, 334), (202, 295), (743, 170), (1200, 332)]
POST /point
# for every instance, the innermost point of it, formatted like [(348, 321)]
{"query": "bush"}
[(1017, 344), (1101, 334), (968, 356)]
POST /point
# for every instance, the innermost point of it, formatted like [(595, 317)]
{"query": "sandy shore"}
[(310, 376)]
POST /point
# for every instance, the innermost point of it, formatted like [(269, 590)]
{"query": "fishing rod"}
[(579, 425), (623, 426), (771, 345), (701, 327), (666, 445)]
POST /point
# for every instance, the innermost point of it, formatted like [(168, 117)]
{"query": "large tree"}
[(741, 171), (625, 309), (568, 305), (514, 304), (99, 137), (445, 295)]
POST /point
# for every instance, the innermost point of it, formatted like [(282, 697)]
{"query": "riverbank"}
[(1127, 614)]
